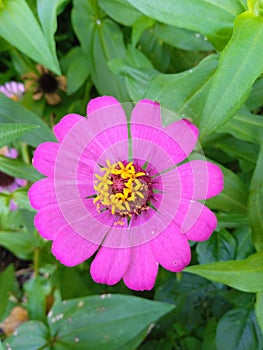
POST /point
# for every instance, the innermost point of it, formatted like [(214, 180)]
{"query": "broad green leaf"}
[(231, 220), (245, 126), (220, 247), (36, 298), (213, 19), (76, 64), (239, 66), (155, 49), (47, 13), (256, 96), (240, 150), (233, 198), (85, 18), (182, 38), (12, 132), (7, 283), (107, 321), (138, 30), (184, 92), (78, 72), (259, 309), (1, 346), (256, 6), (13, 112), (107, 45), (210, 335), (18, 169), (194, 297), (137, 70), (245, 275), (244, 247), (31, 335), (121, 11), (255, 201), (103, 38), (20, 243), (17, 21), (238, 329)]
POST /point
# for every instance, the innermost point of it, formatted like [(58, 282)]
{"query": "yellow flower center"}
[(122, 189)]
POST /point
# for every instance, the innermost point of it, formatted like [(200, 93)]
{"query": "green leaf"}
[(233, 198), (209, 335), (17, 168), (157, 50), (215, 22), (12, 132), (106, 321), (31, 335), (47, 13), (7, 283), (245, 275), (182, 38), (245, 126), (255, 201), (20, 198), (220, 247), (255, 98), (137, 70), (259, 309), (238, 330), (17, 23), (185, 92), (108, 45), (239, 66), (13, 112), (20, 243), (231, 220), (36, 298), (243, 237), (120, 11), (78, 72), (240, 150), (195, 298), (103, 38)]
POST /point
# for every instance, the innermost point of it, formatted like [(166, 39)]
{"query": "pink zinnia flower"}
[(13, 90), (115, 188), (9, 183)]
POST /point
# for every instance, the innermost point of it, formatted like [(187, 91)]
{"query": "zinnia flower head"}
[(9, 183), (118, 189), (45, 84), (13, 90)]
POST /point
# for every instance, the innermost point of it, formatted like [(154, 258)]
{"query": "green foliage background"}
[(199, 59)]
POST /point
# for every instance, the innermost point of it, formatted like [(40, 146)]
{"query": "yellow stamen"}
[(125, 201)]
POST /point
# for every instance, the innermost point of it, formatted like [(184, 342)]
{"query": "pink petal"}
[(109, 265), (49, 221), (177, 139), (107, 108), (195, 220), (42, 194), (65, 125), (70, 248), (143, 268), (171, 249), (45, 157), (200, 179)]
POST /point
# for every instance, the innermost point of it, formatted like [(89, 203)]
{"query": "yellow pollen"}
[(111, 195)]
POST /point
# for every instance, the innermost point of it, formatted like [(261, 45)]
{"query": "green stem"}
[(36, 262)]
